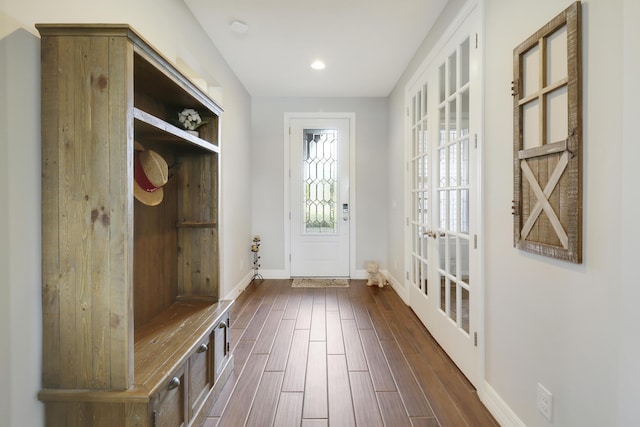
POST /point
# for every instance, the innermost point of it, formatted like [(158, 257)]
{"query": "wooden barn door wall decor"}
[(547, 92)]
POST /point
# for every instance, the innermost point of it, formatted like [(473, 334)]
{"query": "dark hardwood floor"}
[(354, 356)]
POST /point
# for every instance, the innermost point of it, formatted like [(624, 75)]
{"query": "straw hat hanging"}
[(150, 172)]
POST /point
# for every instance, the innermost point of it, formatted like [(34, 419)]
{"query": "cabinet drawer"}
[(200, 375), (169, 404), (221, 345)]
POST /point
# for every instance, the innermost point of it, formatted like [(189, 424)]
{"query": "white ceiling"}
[(366, 44)]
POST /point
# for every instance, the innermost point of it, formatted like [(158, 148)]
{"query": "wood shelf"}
[(196, 224), (149, 127)]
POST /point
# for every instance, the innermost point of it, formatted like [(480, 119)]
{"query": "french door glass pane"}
[(464, 260), (464, 62), (319, 165), (424, 281), (453, 86), (442, 202), (453, 211), (453, 301), (465, 308), (464, 162), (464, 113), (464, 211), (453, 165), (442, 126), (425, 104), (453, 121), (442, 72)]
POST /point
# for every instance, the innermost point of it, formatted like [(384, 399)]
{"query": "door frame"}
[(288, 116)]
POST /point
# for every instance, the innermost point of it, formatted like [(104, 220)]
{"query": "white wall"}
[(629, 322), (170, 27), (20, 270), (573, 328), (549, 321), (267, 170)]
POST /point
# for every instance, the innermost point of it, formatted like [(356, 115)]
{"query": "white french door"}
[(444, 117), (320, 209)]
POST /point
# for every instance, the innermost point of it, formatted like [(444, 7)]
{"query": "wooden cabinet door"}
[(169, 405), (200, 375), (221, 345)]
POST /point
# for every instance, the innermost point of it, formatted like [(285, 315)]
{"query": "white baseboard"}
[(273, 274), (503, 414), (237, 290), (400, 290), (360, 275)]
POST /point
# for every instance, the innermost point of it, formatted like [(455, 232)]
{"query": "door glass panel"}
[(453, 301), (453, 165), (464, 260), (465, 308), (453, 210), (442, 74), (425, 104), (453, 121), (464, 162), (464, 113), (452, 74), (443, 167), (319, 165), (464, 62), (451, 255), (442, 201), (425, 282), (425, 207), (414, 119), (425, 140), (442, 126), (464, 211)]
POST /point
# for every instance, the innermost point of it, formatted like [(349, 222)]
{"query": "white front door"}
[(444, 279), (319, 196)]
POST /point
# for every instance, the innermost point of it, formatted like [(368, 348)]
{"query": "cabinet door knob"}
[(222, 325), (175, 382), (203, 347)]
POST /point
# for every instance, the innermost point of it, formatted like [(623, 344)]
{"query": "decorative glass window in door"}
[(547, 204), (320, 169)]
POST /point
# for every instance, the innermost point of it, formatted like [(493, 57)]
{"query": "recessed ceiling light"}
[(239, 27), (318, 65)]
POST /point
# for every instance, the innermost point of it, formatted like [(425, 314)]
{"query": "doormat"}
[(319, 283)]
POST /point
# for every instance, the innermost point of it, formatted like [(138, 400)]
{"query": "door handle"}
[(430, 233)]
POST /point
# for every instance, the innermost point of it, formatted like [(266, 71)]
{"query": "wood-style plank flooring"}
[(354, 356)]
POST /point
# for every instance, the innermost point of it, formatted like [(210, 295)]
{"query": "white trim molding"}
[(503, 414)]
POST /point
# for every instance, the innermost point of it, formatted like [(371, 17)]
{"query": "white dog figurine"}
[(375, 276)]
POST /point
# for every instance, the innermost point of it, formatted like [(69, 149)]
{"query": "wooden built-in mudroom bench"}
[(134, 333)]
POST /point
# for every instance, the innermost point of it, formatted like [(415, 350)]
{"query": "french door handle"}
[(430, 233)]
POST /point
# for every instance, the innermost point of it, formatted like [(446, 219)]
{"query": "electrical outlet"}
[(545, 401)]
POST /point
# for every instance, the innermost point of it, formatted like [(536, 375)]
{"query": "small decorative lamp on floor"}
[(255, 247)]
